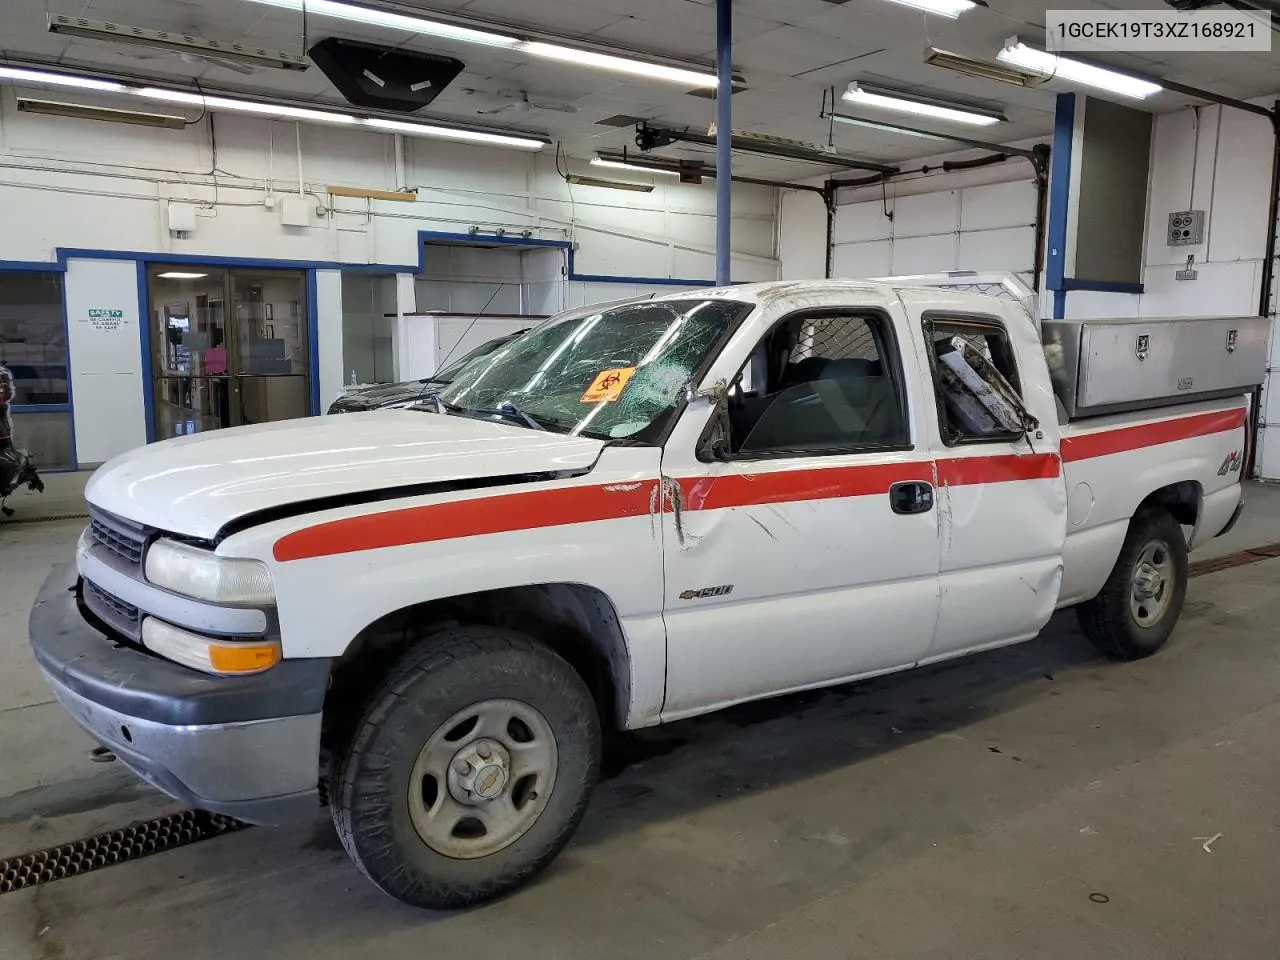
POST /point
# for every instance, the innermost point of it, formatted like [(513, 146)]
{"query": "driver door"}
[(808, 553)]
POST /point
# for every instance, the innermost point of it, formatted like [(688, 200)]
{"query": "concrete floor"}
[(969, 810)]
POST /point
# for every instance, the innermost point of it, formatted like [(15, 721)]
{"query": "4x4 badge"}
[(1231, 464)]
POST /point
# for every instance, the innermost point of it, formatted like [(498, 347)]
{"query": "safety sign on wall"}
[(106, 320)]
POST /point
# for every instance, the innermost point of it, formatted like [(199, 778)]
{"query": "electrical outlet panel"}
[(1185, 227)]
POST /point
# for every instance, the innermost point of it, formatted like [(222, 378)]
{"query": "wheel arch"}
[(576, 620)]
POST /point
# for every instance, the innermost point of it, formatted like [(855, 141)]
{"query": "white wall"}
[(85, 184), (106, 359)]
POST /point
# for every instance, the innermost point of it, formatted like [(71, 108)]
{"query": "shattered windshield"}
[(611, 374)]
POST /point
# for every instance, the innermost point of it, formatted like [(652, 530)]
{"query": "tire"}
[(1121, 621), (393, 799)]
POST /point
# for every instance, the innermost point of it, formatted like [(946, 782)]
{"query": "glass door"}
[(229, 347)]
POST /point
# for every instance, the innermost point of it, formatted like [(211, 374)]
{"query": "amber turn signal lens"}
[(243, 657)]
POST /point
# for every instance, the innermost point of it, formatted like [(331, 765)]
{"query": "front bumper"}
[(247, 747)]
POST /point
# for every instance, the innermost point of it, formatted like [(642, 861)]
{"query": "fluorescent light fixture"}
[(943, 8), (180, 275), (885, 127), (981, 69), (632, 167), (280, 111), (628, 65), (618, 63), (886, 100), (451, 133), (608, 184), (61, 80), (56, 108), (1052, 66), (283, 111), (374, 17), (178, 42)]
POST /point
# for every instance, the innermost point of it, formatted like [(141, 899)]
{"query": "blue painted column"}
[(724, 139), (1059, 199)]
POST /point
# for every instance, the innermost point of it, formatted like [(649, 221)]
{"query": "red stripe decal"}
[(963, 471), (786, 486), (467, 518), (1104, 442), (503, 513)]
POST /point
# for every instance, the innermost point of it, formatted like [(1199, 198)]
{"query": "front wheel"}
[(470, 769), (1140, 603)]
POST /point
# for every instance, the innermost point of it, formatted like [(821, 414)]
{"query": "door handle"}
[(911, 496)]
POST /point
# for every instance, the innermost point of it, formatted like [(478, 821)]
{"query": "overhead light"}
[(885, 127), (982, 69), (943, 8), (453, 133), (61, 80), (619, 63), (628, 65), (55, 108), (608, 184), (180, 275), (373, 17), (632, 167), (1051, 66), (887, 100), (282, 111), (177, 42)]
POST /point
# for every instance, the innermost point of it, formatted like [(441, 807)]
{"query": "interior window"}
[(815, 383), (976, 381)]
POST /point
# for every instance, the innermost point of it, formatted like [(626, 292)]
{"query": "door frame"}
[(142, 265)]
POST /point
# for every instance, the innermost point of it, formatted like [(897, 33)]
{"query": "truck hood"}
[(196, 485)]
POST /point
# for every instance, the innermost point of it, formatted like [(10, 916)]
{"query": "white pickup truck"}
[(426, 617)]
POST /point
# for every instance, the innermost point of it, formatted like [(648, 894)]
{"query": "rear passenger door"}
[(800, 536), (1001, 493)]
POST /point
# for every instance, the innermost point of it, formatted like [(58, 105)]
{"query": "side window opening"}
[(975, 380), (817, 383)]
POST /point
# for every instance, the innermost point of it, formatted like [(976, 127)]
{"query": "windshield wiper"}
[(512, 412), (442, 405)]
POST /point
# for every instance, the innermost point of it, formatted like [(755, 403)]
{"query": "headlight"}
[(209, 655), (198, 573)]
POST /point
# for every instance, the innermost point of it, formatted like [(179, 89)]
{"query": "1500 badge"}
[(1231, 464), (706, 592)]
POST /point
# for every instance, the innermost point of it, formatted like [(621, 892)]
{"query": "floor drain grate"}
[(1253, 555), (133, 842)]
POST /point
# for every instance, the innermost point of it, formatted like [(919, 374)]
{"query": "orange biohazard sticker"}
[(608, 385)]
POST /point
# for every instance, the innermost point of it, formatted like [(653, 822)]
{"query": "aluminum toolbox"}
[(1106, 366)]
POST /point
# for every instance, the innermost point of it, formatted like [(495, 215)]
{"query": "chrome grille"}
[(123, 539), (124, 618)]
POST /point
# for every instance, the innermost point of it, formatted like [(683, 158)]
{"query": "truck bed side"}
[(1112, 464)]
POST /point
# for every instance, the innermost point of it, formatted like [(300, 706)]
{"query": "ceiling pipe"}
[(649, 137), (698, 170), (932, 134)]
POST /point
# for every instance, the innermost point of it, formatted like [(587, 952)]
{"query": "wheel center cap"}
[(489, 781), (1146, 582), (479, 772)]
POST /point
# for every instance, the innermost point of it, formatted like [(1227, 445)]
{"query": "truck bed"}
[(1107, 458)]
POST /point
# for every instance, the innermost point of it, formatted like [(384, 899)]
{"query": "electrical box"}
[(181, 217), (295, 211), (1185, 227)]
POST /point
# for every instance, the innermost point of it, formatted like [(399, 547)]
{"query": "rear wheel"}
[(1140, 603), (470, 769)]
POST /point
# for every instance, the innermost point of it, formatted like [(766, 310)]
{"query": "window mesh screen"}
[(836, 338)]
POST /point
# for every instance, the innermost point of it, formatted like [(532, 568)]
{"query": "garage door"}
[(985, 228)]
